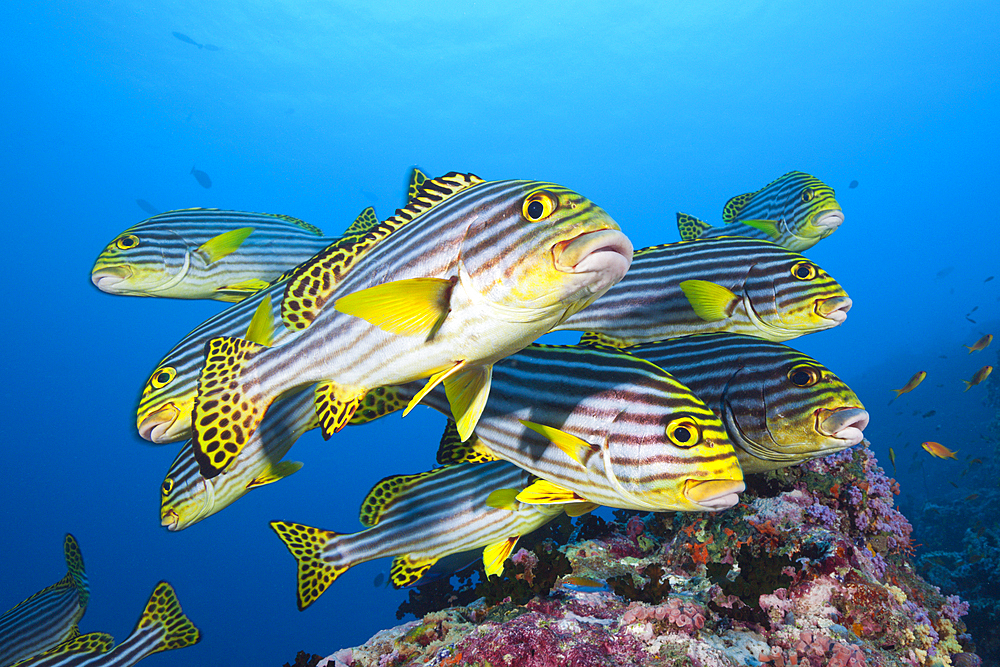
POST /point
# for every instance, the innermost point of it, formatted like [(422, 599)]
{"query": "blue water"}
[(318, 109)]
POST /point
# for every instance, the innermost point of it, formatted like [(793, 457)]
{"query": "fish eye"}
[(808, 194), (127, 242), (167, 486), (683, 432), (539, 205), (804, 375), (163, 376), (803, 271)]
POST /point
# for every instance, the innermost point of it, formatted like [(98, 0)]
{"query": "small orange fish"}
[(910, 386), (892, 457), (972, 496), (939, 450), (980, 375), (980, 344)]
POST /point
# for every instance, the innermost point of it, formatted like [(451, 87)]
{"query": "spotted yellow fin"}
[(504, 499), (690, 227), (433, 381), (416, 181), (378, 402), (313, 229), (365, 221), (225, 416), (241, 290), (306, 544), (335, 405), (596, 339), (75, 570), (92, 643), (579, 509), (412, 307), (224, 244), (495, 554), (576, 448), (165, 611), (261, 329), (769, 227), (385, 493), (453, 450), (733, 207), (275, 473), (467, 393), (544, 492), (407, 570), (711, 302), (313, 282)]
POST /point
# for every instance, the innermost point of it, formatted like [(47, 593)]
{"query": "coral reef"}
[(812, 567)]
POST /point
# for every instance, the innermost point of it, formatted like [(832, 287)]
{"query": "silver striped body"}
[(166, 262), (649, 304)]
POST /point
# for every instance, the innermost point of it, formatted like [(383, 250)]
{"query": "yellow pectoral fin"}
[(712, 302), (218, 247), (544, 492), (503, 499), (579, 509), (261, 329), (495, 554), (576, 448), (432, 382), (413, 307), (276, 473), (246, 287), (467, 393), (769, 227), (335, 405)]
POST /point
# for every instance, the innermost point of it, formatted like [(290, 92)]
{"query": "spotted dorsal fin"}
[(312, 229), (313, 282), (452, 450), (384, 494), (416, 181), (690, 227), (365, 221), (74, 566), (731, 211)]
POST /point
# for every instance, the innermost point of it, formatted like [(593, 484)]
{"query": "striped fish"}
[(161, 627), (186, 497), (50, 616), (795, 211), (726, 284), (419, 519), (203, 253), (596, 426), (780, 407), (481, 271)]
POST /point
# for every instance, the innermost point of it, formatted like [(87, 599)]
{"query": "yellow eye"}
[(808, 194), (803, 271), (167, 486), (127, 242), (163, 377), (804, 375), (539, 205), (683, 432)]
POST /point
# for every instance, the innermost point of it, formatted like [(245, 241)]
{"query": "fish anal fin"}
[(378, 402), (711, 302), (495, 554), (335, 405), (467, 393), (579, 509), (454, 450), (504, 499), (307, 545), (93, 643), (385, 493), (411, 307), (574, 447), (276, 473), (690, 227), (224, 244), (165, 611), (544, 492), (407, 570), (599, 340)]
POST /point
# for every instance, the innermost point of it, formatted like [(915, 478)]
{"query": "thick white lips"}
[(844, 424), (714, 494), (829, 220), (105, 279), (606, 253), (156, 426), (170, 520), (834, 308)]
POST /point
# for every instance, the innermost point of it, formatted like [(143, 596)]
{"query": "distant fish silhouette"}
[(202, 178), (988, 279), (945, 271), (187, 40), (147, 207), (853, 185)]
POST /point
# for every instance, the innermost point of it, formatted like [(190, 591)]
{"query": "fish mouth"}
[(713, 494), (606, 254), (829, 220), (835, 308), (105, 279), (170, 520), (844, 424), (157, 426)]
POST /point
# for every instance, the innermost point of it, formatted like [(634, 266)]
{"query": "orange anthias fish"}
[(910, 386), (939, 450), (980, 344), (980, 375)]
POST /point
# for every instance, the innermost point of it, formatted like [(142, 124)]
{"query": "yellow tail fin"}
[(307, 544), (165, 611)]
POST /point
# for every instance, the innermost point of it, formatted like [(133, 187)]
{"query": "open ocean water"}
[(318, 109)]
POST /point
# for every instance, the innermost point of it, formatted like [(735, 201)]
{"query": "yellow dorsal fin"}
[(769, 227), (307, 544), (544, 492), (733, 207), (313, 282), (576, 448), (261, 329), (218, 247), (378, 402), (690, 227), (313, 229), (74, 567), (238, 291), (467, 393), (412, 307), (433, 381), (415, 182), (165, 611), (335, 405), (495, 554), (711, 302), (276, 473), (596, 339), (503, 499), (365, 221), (407, 570), (579, 509), (453, 450), (385, 493)]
